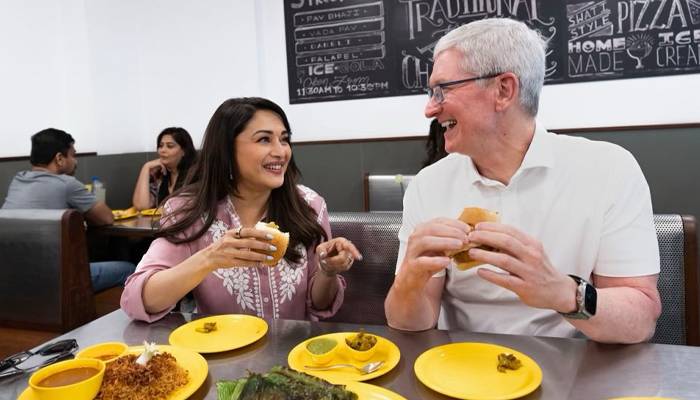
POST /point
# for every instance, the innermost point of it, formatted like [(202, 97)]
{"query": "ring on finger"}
[(237, 232)]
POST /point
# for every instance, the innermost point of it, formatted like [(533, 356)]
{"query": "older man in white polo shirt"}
[(575, 249)]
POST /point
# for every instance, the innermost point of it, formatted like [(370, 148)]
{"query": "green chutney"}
[(321, 346)]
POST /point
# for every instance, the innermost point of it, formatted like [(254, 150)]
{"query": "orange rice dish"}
[(124, 379)]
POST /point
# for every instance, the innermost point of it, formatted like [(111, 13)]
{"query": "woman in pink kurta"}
[(207, 239)]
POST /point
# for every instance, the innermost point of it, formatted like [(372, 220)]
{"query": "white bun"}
[(279, 240)]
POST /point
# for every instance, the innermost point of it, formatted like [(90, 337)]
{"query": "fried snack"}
[(124, 379), (279, 240), (206, 328), (507, 361), (472, 216), (362, 341)]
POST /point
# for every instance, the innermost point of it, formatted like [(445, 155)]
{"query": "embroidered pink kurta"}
[(282, 291)]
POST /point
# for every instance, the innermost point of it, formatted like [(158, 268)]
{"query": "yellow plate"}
[(468, 371), (124, 214), (150, 212), (365, 391), (232, 332), (386, 350), (195, 364)]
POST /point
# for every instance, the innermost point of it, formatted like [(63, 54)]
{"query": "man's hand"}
[(528, 271), (426, 248), (413, 302)]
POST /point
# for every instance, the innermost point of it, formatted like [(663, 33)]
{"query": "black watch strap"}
[(586, 300)]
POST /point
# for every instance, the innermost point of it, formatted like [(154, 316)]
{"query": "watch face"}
[(590, 300)]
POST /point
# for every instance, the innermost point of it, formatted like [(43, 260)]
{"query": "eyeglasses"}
[(436, 93), (57, 351)]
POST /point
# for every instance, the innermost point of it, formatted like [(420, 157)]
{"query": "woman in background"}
[(160, 177), (435, 146), (208, 242)]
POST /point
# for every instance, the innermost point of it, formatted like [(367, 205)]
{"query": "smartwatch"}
[(586, 300)]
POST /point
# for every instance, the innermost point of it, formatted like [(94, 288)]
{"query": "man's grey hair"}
[(499, 45)]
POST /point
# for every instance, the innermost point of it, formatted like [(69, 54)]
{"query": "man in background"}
[(50, 184)]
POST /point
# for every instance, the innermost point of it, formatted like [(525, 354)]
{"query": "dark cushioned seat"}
[(678, 280), (45, 277), (369, 280)]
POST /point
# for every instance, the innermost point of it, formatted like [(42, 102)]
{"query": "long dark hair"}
[(184, 140), (435, 146), (215, 175)]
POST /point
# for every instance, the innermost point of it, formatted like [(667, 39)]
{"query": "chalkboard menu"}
[(347, 49)]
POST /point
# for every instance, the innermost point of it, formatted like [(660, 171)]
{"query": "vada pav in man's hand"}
[(472, 216)]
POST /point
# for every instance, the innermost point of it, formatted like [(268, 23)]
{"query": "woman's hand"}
[(156, 169), (151, 170), (240, 247), (337, 255)]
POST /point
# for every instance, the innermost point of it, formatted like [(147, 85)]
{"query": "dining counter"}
[(572, 368)]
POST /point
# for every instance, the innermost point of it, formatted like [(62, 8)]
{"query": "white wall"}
[(42, 72), (113, 73)]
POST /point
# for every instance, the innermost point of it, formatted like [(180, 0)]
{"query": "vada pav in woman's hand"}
[(212, 241), (279, 241)]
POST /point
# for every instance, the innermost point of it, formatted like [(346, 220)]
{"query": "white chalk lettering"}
[(414, 72), (595, 63), (588, 46), (438, 13), (677, 56), (643, 15)]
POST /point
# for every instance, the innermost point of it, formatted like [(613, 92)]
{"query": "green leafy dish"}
[(281, 383)]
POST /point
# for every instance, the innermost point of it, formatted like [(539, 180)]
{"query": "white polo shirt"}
[(586, 201)]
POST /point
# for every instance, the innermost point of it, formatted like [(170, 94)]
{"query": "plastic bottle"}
[(98, 189)]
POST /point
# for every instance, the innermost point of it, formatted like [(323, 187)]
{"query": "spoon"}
[(365, 369)]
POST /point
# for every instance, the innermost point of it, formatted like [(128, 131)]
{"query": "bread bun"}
[(279, 240), (472, 216)]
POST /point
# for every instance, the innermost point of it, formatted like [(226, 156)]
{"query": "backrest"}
[(369, 280), (678, 280), (385, 192), (44, 272)]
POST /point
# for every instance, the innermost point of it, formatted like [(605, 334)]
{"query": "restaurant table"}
[(572, 368), (126, 239), (140, 226)]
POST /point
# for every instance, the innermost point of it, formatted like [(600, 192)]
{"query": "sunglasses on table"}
[(54, 352)]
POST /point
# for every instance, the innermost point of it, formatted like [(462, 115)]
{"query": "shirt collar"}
[(540, 154)]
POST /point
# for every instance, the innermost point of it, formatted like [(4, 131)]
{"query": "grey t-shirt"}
[(44, 190)]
